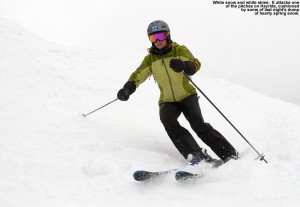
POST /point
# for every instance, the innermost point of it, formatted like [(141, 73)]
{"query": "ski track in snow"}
[(51, 156)]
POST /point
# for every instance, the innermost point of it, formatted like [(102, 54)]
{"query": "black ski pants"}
[(181, 137)]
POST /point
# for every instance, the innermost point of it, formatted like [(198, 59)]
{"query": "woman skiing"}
[(167, 61)]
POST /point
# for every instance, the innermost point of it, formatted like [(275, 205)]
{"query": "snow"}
[(52, 156)]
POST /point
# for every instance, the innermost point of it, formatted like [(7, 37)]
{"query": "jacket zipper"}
[(168, 77)]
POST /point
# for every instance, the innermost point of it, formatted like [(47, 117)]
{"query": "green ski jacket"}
[(174, 87)]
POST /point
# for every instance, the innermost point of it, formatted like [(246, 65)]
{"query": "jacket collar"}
[(154, 50)]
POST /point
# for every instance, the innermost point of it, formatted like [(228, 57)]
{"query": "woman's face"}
[(160, 44)]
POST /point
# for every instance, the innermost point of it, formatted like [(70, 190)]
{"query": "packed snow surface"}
[(51, 156)]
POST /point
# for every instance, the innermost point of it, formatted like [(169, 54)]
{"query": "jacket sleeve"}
[(193, 63), (142, 72)]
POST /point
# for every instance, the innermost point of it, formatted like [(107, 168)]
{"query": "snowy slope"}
[(51, 156)]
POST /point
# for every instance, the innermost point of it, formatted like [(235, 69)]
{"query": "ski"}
[(142, 175), (181, 175), (185, 176)]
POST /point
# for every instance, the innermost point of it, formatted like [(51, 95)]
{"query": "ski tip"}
[(179, 175), (183, 176), (181, 172), (138, 175)]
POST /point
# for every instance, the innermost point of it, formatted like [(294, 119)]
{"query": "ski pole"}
[(260, 156), (84, 115)]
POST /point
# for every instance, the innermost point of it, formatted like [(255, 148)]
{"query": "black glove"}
[(126, 91), (178, 65), (123, 94)]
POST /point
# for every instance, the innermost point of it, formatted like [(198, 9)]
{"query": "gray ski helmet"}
[(157, 26)]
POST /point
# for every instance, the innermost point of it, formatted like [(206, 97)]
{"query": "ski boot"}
[(195, 157), (235, 156)]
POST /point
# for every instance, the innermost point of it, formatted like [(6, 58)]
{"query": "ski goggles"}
[(157, 36)]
